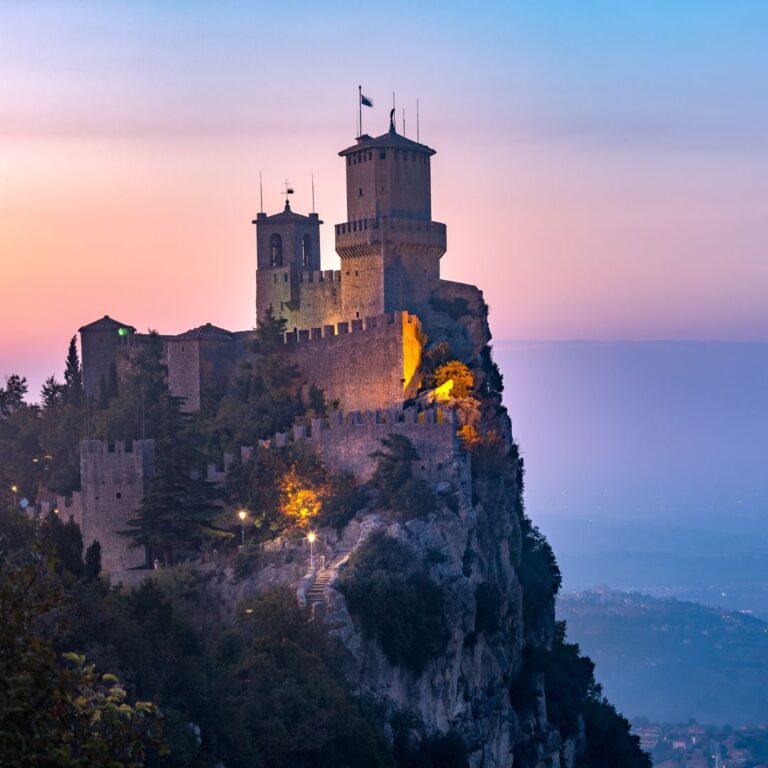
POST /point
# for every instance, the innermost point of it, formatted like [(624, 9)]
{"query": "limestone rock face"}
[(465, 690)]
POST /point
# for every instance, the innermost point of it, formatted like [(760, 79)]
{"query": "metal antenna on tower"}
[(313, 193), (403, 121), (417, 121)]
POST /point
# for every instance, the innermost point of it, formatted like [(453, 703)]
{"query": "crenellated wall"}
[(371, 362), (113, 481), (345, 442)]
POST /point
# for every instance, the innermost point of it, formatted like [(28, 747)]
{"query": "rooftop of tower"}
[(391, 139)]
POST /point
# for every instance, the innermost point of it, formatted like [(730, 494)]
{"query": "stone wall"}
[(345, 442), (366, 363), (113, 481)]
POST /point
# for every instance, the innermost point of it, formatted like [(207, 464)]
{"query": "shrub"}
[(454, 308), (344, 499), (488, 608), (397, 607), (409, 496), (539, 574), (461, 375)]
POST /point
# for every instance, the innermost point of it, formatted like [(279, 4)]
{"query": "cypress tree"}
[(92, 562), (73, 375)]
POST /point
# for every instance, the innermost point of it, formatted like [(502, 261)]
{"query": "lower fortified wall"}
[(366, 363), (113, 481), (345, 442)]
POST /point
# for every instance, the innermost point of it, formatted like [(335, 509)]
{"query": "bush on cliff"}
[(401, 492), (400, 608)]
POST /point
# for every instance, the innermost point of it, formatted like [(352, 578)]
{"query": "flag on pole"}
[(365, 101)]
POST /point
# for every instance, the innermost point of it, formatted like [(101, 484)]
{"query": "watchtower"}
[(389, 246), (287, 245)]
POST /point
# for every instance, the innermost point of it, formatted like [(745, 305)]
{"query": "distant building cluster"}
[(696, 746)]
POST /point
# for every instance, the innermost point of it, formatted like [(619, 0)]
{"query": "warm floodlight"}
[(242, 514)]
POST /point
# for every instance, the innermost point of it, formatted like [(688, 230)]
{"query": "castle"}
[(357, 333)]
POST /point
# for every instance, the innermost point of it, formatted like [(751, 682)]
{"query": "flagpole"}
[(359, 110), (417, 121)]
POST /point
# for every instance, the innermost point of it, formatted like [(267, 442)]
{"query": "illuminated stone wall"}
[(113, 481), (366, 363)]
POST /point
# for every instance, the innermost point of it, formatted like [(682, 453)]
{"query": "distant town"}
[(699, 746)]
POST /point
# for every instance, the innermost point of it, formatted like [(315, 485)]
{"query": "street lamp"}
[(15, 490), (311, 536), (242, 514)]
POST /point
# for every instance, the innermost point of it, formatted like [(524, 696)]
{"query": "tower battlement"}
[(384, 324), (113, 480), (345, 441)]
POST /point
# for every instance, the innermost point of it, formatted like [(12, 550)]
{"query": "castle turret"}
[(287, 246), (102, 344), (389, 246)]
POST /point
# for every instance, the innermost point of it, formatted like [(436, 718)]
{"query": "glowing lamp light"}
[(15, 488), (242, 514), (311, 537), (122, 331)]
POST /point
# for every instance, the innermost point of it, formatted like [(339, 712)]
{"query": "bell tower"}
[(390, 248), (287, 246)]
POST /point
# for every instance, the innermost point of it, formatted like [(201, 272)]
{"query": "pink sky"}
[(129, 167)]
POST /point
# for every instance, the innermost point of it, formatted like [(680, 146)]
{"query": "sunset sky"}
[(602, 166)]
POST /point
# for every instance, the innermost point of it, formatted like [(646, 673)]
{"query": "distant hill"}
[(670, 660)]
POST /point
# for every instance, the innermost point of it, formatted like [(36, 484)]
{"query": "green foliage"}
[(609, 741), (414, 751), (92, 567), (262, 397), (134, 410), (345, 498), (539, 575), (12, 395), (494, 380), (401, 492), (179, 510), (454, 308), (73, 375), (68, 542), (400, 608), (256, 484), (488, 611), (57, 710)]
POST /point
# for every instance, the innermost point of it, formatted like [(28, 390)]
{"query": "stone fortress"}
[(357, 333)]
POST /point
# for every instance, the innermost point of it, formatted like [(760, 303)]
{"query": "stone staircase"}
[(316, 593)]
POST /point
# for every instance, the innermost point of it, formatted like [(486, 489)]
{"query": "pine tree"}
[(178, 513), (73, 375), (52, 395), (263, 396)]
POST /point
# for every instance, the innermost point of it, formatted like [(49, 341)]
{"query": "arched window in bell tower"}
[(275, 251), (306, 251)]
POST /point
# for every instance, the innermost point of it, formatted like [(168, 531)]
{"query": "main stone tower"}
[(389, 246)]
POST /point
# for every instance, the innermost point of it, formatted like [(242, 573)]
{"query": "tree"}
[(57, 710), (132, 410), (52, 395), (73, 375), (179, 510), (68, 542), (457, 372), (92, 562), (393, 477), (12, 396), (263, 397)]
